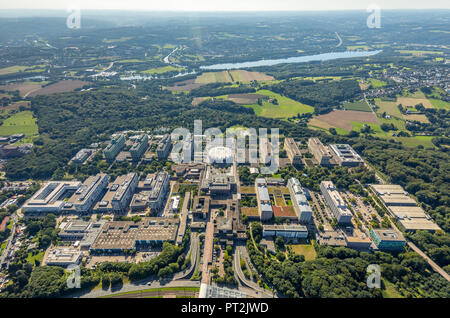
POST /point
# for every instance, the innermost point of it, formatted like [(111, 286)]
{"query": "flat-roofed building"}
[(115, 146), (119, 194), (82, 155), (299, 200), (139, 147), (292, 231), (201, 207), (87, 194), (321, 153), (51, 197), (81, 231), (292, 151), (345, 155), (164, 147), (338, 207), (159, 191), (217, 182), (117, 236), (63, 257), (263, 199), (404, 208), (388, 239)]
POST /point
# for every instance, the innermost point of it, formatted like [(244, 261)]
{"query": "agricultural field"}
[(232, 76), (59, 87), (162, 70), (344, 118), (360, 105), (214, 77), (419, 52), (411, 102), (390, 108), (22, 122), (24, 88), (286, 107), (12, 69)]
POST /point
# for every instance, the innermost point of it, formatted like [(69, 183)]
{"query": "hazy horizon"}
[(223, 6)]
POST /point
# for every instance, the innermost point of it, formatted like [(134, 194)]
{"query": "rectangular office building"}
[(114, 147), (300, 201), (388, 239), (292, 151), (345, 155), (139, 147), (338, 207), (87, 194), (321, 153), (292, 231), (262, 196)]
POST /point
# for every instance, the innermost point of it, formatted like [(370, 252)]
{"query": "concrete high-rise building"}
[(321, 153), (87, 194), (262, 196), (114, 147), (338, 207), (164, 147), (139, 147), (292, 151), (299, 200)]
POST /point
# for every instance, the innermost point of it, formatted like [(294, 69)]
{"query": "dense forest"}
[(323, 96)]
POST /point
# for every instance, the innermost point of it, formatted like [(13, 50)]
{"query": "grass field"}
[(22, 122), (418, 52), (2, 247), (377, 83), (162, 70), (389, 107), (286, 107), (12, 69), (232, 76), (440, 104), (360, 105), (214, 77), (306, 250)]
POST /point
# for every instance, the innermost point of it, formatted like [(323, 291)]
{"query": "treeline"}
[(323, 96), (217, 89)]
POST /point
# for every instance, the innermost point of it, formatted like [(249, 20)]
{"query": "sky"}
[(222, 5)]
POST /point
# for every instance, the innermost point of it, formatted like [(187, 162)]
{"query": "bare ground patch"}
[(59, 87), (343, 118)]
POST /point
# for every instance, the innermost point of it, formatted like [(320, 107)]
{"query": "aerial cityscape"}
[(252, 155)]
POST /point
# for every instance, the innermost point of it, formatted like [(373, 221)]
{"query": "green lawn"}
[(306, 250), (2, 247), (12, 69), (286, 107), (360, 105), (22, 122)]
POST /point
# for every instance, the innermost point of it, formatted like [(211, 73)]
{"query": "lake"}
[(295, 59)]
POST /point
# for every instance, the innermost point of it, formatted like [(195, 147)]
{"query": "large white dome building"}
[(220, 154)]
